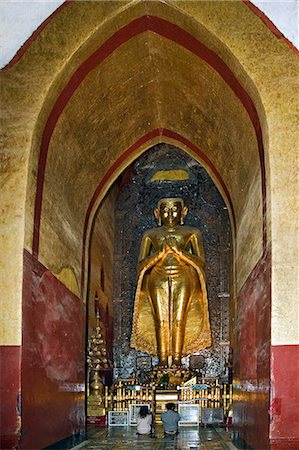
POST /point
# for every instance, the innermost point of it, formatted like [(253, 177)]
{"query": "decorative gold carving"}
[(98, 361)]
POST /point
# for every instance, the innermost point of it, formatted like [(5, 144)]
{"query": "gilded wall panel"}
[(113, 107)]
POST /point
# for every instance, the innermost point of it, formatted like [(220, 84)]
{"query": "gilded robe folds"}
[(197, 334)]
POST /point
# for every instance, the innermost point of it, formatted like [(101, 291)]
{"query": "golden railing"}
[(214, 395)]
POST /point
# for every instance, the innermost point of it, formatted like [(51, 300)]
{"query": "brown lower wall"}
[(252, 357), (284, 406), (53, 377), (10, 390)]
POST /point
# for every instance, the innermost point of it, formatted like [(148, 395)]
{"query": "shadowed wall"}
[(101, 268)]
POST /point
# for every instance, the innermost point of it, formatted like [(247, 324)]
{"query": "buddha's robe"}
[(171, 276)]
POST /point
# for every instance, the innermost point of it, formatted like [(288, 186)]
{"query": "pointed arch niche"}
[(102, 83), (132, 199), (151, 81)]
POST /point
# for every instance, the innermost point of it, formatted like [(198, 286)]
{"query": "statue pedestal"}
[(96, 413), (167, 377)]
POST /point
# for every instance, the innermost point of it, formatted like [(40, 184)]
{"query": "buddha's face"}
[(170, 213)]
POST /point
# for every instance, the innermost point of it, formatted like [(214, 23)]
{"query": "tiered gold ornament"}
[(98, 362)]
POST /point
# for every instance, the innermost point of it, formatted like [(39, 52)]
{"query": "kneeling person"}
[(170, 420), (144, 421)]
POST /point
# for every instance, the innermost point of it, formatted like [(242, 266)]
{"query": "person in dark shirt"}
[(170, 420)]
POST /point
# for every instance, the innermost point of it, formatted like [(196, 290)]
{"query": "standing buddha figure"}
[(171, 317)]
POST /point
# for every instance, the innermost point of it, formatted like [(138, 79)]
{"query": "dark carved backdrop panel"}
[(166, 171)]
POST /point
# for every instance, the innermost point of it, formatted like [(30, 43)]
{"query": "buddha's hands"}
[(170, 245)]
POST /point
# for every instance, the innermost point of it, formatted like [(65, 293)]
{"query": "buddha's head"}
[(171, 211)]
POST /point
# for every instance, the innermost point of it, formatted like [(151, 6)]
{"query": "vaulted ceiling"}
[(104, 81)]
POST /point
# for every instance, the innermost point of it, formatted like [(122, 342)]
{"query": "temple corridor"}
[(149, 228)]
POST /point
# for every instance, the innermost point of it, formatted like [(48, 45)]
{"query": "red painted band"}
[(137, 26), (125, 155)]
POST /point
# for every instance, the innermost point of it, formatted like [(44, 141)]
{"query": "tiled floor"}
[(123, 438)]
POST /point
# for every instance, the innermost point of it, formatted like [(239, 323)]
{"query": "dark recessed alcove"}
[(167, 171)]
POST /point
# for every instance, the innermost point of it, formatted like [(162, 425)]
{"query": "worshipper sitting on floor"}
[(144, 421), (170, 420)]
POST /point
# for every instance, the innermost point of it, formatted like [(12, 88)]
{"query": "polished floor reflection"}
[(123, 438)]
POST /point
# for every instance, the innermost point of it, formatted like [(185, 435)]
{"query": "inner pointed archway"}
[(122, 164), (139, 188), (122, 217)]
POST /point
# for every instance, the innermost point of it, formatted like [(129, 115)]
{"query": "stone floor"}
[(123, 438)]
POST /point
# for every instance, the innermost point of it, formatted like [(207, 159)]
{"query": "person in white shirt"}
[(144, 421)]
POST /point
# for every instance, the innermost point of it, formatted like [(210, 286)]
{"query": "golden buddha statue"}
[(171, 317)]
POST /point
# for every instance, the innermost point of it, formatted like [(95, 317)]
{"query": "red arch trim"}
[(169, 31), (131, 150)]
